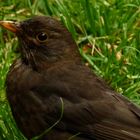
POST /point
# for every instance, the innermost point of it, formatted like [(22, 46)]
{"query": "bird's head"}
[(42, 40)]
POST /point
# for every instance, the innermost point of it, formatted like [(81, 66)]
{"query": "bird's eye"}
[(42, 37)]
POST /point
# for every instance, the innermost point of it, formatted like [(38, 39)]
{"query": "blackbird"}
[(52, 93)]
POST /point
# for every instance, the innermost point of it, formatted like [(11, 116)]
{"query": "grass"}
[(106, 31)]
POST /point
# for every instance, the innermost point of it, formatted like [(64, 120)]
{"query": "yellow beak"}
[(10, 25)]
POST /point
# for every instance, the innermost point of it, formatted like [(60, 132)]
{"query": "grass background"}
[(106, 31)]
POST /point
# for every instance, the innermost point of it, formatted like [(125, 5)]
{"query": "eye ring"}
[(42, 37)]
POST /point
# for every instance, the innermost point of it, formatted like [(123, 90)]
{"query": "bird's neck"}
[(41, 63)]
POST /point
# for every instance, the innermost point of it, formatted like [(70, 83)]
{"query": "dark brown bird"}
[(54, 95)]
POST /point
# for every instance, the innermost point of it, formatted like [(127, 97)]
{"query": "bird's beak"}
[(11, 26)]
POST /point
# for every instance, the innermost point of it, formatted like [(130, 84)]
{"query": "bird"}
[(54, 96)]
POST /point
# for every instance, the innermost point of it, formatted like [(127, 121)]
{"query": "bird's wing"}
[(107, 116), (93, 109), (111, 119)]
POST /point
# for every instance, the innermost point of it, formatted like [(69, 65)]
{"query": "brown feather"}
[(52, 70)]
